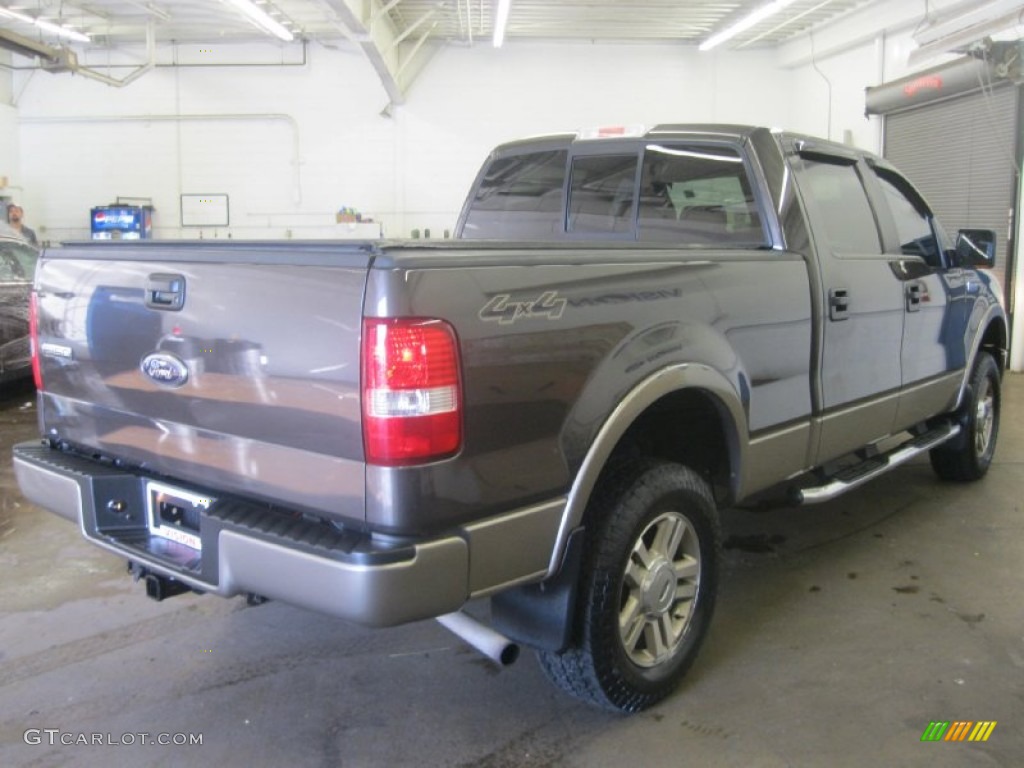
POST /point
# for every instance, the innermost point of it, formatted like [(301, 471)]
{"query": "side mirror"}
[(976, 248)]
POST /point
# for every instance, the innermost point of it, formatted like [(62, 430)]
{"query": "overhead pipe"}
[(131, 77), (152, 64), (192, 65), (490, 643)]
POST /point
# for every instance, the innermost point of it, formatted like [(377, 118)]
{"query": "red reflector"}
[(33, 335), (412, 391)]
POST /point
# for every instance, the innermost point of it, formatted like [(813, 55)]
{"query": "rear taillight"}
[(412, 391), (33, 335)]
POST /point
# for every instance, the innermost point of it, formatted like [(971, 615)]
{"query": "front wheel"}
[(968, 456), (647, 589)]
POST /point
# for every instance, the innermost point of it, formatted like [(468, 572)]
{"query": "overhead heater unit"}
[(963, 26)]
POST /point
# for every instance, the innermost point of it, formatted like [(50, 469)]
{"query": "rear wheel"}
[(968, 456), (647, 589)]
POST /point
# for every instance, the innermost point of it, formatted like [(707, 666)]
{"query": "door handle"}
[(165, 291), (915, 293), (838, 304)]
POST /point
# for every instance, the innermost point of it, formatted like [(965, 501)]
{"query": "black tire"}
[(968, 456), (653, 539)]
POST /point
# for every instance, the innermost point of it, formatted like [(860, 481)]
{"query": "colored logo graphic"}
[(958, 730)]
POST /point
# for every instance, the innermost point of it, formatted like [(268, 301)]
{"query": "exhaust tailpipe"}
[(490, 643)]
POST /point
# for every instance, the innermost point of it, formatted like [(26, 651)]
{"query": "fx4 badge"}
[(503, 310)]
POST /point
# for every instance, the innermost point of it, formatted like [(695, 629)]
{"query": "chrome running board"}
[(854, 476)]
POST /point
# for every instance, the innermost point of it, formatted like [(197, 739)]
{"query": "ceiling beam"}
[(396, 60)]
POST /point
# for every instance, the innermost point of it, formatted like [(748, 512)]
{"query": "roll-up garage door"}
[(960, 153)]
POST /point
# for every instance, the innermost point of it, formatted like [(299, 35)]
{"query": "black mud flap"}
[(540, 615)]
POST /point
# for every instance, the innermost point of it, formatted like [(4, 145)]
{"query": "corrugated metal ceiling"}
[(112, 23), (621, 20)]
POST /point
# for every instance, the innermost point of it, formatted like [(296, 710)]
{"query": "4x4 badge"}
[(503, 310)]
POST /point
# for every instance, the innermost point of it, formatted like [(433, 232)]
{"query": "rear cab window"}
[(685, 193), (602, 194), (519, 197), (697, 194)]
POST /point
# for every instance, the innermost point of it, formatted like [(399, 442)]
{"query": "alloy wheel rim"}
[(984, 421), (659, 589)]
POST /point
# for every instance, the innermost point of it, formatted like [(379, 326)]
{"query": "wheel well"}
[(994, 342), (687, 427)]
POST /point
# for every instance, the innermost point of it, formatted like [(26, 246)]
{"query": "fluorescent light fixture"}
[(46, 26), (755, 17), (501, 21), (56, 29), (262, 19)]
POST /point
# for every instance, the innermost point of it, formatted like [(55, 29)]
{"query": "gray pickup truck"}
[(632, 331)]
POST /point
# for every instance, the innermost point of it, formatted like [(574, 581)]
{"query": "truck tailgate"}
[(233, 366)]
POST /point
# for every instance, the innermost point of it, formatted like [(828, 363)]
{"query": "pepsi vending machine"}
[(122, 222)]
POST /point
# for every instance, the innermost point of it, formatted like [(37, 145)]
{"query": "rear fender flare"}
[(683, 376)]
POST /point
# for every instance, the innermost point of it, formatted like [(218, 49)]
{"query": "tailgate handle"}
[(165, 292), (838, 304)]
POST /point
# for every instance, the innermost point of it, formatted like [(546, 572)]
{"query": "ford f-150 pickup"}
[(632, 331)]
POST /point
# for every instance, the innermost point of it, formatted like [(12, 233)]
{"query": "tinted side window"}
[(520, 197), (601, 193), (697, 195), (913, 220), (835, 193)]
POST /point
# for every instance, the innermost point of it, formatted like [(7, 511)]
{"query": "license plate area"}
[(174, 514)]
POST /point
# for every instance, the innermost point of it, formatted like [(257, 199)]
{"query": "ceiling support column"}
[(397, 58)]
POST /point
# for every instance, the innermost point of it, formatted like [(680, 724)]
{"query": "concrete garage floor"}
[(841, 632)]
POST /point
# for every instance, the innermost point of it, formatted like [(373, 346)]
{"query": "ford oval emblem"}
[(165, 369)]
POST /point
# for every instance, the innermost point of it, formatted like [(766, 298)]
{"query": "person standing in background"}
[(15, 216)]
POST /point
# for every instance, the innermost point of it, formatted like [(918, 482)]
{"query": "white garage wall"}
[(10, 156), (828, 97), (290, 145), (845, 75)]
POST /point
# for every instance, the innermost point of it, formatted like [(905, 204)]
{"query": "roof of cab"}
[(668, 131), (626, 132)]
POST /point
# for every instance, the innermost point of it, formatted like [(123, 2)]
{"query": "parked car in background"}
[(17, 270)]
